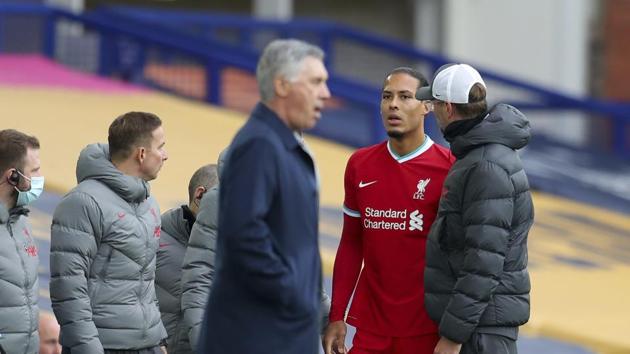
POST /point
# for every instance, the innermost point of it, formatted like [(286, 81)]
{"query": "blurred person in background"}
[(392, 191), (21, 183), (199, 264), (48, 334), (266, 292), (176, 226), (476, 279), (104, 240)]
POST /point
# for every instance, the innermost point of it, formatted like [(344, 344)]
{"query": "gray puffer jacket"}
[(170, 255), (476, 275), (198, 265), (104, 238), (18, 283), (199, 260)]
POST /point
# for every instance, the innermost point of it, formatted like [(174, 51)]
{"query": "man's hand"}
[(447, 346), (335, 338), (163, 350)]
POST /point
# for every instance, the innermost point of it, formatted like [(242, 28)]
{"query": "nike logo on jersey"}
[(361, 184)]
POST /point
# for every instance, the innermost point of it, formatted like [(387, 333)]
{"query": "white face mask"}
[(29, 196)]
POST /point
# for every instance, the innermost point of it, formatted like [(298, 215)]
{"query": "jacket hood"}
[(503, 124), (94, 163), (175, 224)]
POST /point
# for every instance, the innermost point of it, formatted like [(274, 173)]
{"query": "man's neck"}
[(461, 126), (406, 145), (127, 167), (193, 208), (280, 109)]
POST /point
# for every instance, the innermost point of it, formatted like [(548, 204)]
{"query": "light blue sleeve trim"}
[(350, 212)]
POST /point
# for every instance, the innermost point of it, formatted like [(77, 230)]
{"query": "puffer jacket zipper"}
[(25, 285)]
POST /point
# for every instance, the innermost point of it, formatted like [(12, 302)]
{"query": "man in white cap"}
[(476, 280)]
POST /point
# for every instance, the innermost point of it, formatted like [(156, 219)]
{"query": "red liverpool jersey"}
[(390, 203)]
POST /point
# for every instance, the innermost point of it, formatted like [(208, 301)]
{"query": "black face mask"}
[(461, 127)]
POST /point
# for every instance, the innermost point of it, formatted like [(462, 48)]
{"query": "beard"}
[(395, 134)]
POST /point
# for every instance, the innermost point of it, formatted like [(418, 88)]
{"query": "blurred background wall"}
[(574, 46)]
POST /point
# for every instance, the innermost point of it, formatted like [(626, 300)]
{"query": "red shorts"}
[(369, 343)]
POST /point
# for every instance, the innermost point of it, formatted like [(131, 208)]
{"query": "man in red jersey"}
[(392, 191)]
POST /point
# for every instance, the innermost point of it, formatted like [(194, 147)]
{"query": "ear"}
[(141, 153), (450, 109), (428, 106), (199, 192), (7, 176), (281, 87)]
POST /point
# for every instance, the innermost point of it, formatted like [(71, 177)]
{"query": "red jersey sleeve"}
[(347, 267), (350, 205), (350, 253)]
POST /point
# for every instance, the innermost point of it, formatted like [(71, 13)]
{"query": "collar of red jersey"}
[(417, 152)]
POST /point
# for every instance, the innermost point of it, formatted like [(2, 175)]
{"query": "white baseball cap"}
[(452, 83)]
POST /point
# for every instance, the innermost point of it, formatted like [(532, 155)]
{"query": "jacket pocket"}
[(99, 276), (438, 231), (102, 274), (440, 235), (94, 285)]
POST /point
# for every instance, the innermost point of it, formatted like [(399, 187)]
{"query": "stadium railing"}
[(212, 57)]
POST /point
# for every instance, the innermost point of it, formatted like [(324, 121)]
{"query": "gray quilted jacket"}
[(198, 265), (104, 238), (18, 283), (476, 275), (170, 255)]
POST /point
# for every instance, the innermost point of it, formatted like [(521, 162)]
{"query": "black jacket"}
[(476, 275)]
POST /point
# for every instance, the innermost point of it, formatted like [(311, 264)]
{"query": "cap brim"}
[(424, 93)]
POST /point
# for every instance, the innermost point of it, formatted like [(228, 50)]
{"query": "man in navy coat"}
[(266, 294)]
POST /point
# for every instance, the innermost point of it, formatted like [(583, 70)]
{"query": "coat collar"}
[(7, 215), (268, 117), (177, 222)]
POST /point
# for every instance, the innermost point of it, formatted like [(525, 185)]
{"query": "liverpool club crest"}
[(422, 187)]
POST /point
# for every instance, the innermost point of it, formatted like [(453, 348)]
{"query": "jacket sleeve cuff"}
[(336, 315), (455, 329)]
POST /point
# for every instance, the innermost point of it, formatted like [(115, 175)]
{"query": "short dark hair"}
[(13, 148), (130, 130), (205, 176), (477, 105), (422, 80)]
